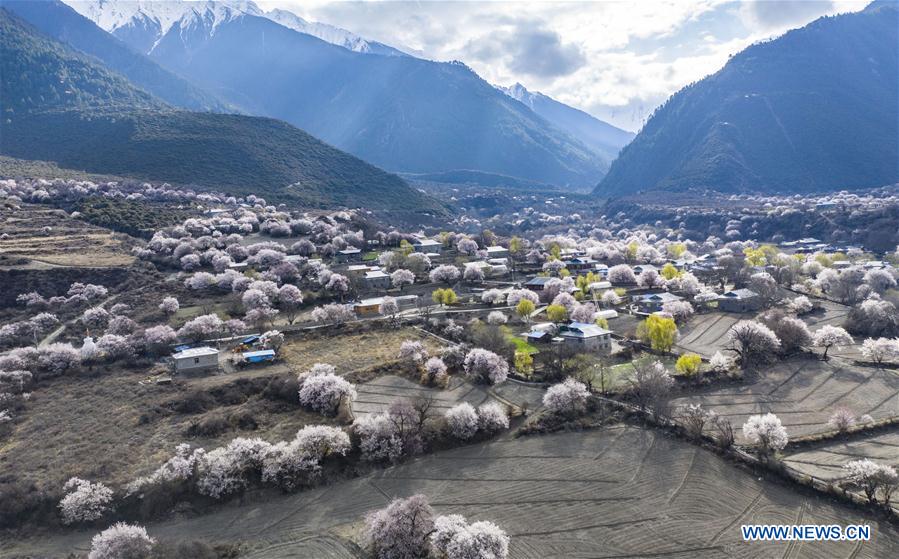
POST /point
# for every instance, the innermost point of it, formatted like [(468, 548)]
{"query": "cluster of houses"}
[(811, 245)]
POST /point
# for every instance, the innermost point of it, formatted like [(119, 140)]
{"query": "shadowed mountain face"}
[(398, 112), (61, 105), (814, 110), (60, 22)]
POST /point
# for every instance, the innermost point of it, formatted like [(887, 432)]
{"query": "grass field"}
[(523, 345), (617, 376), (69, 423), (352, 352), (615, 492), (804, 394)]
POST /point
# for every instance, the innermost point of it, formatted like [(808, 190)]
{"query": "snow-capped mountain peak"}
[(114, 14), (145, 22), (152, 20), (519, 93), (330, 33), (327, 33), (602, 137)]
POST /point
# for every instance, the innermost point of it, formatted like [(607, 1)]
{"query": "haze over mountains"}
[(605, 139), (814, 110), (61, 105), (398, 112)]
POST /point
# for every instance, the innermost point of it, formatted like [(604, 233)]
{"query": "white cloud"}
[(617, 60)]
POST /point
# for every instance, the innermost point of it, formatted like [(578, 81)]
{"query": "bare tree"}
[(694, 419), (724, 429), (752, 342), (650, 386)]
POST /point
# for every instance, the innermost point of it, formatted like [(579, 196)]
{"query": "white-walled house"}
[(196, 359), (586, 337), (740, 300)]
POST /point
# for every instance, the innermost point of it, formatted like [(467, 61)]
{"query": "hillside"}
[(603, 138), (60, 22), (814, 110), (40, 75), (398, 112), (231, 153), (62, 106)]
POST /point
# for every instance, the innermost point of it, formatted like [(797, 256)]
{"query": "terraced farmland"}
[(826, 461), (833, 314), (804, 393), (705, 334), (618, 492), (377, 395), (40, 238)]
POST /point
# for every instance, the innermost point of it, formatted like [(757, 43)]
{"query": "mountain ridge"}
[(62, 23), (402, 113), (604, 138), (62, 106), (811, 111)]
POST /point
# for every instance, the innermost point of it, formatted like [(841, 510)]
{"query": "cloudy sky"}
[(615, 60)]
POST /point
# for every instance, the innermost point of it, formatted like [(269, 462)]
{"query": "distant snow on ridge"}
[(331, 34), (157, 17)]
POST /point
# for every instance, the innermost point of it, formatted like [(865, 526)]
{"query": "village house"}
[(707, 272), (640, 268), (372, 306), (541, 333), (599, 286), (705, 299), (488, 269), (681, 265), (653, 302), (377, 279), (196, 359), (359, 270), (580, 264), (536, 283), (350, 254), (497, 270), (586, 337), (538, 337), (607, 314), (428, 246), (569, 253), (497, 252), (740, 300)]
